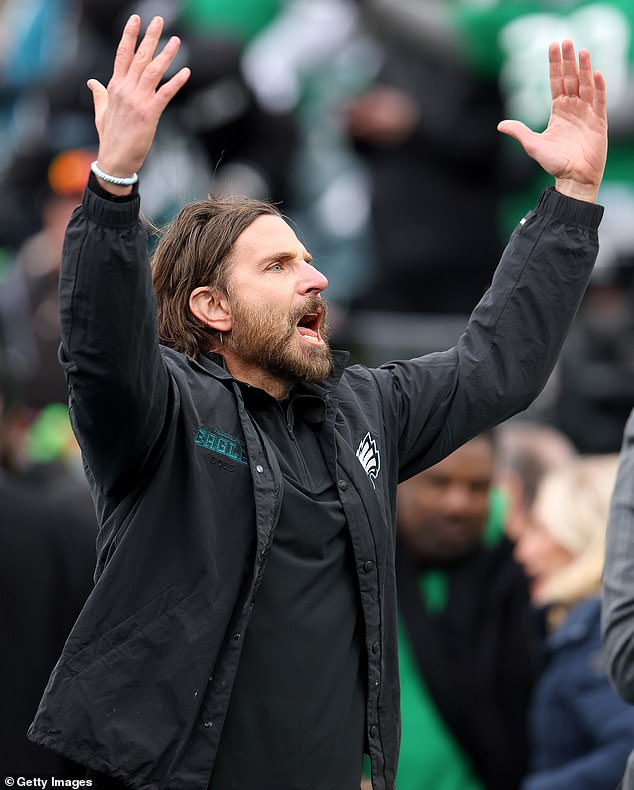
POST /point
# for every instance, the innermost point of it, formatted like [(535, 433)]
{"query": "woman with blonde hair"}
[(581, 732)]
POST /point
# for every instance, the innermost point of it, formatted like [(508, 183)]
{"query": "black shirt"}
[(297, 710)]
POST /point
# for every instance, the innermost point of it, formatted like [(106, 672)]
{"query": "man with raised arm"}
[(242, 628)]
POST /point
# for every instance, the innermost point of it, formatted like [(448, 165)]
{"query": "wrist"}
[(94, 185), (578, 191), (112, 179)]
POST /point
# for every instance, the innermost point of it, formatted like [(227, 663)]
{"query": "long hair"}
[(573, 504), (194, 251)]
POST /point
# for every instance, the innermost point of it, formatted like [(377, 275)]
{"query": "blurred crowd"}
[(373, 123)]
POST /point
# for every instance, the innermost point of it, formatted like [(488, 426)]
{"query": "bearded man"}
[(242, 628)]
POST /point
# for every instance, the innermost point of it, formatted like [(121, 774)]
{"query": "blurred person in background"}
[(426, 127), (595, 376), (526, 451), (617, 620), (618, 579), (581, 732), (467, 652), (222, 663), (53, 182), (47, 558), (47, 523)]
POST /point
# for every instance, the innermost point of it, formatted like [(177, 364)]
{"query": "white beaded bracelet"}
[(120, 182)]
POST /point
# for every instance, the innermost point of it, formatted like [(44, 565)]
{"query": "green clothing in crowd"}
[(242, 19)]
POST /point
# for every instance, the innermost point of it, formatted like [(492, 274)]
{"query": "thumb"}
[(518, 131), (99, 96)]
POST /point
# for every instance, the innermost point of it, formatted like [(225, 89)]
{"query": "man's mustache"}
[(313, 304)]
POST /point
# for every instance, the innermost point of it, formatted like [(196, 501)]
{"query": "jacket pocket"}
[(133, 625)]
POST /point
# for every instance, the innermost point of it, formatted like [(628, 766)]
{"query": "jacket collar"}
[(322, 388)]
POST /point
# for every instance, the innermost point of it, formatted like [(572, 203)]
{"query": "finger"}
[(99, 96), (155, 70), (586, 77), (125, 50), (520, 132), (147, 48), (600, 97), (571, 73), (556, 70), (166, 93)]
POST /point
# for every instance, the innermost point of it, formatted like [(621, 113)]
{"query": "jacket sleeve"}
[(118, 384), (618, 576), (510, 345)]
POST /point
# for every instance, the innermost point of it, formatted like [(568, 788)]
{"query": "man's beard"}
[(272, 342)]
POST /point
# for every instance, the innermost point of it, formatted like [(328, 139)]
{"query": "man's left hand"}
[(573, 147)]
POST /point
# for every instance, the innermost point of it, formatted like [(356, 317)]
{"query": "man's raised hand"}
[(573, 147), (127, 112)]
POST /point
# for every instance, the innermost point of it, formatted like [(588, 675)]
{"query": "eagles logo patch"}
[(369, 457)]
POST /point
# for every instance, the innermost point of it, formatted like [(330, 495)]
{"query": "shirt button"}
[(259, 468), (368, 565), (236, 636), (207, 724), (342, 485), (373, 731), (375, 648)]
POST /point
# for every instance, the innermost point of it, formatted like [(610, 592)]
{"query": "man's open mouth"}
[(308, 327)]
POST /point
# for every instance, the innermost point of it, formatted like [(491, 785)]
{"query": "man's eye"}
[(276, 267)]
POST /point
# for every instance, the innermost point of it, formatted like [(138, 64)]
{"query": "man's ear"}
[(211, 306)]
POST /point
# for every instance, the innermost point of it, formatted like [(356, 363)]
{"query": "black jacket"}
[(188, 492)]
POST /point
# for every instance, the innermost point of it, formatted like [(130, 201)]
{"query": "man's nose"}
[(312, 280), (456, 500)]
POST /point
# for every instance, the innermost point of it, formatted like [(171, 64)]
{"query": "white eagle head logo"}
[(369, 457)]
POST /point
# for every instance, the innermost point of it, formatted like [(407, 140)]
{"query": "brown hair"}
[(194, 251)]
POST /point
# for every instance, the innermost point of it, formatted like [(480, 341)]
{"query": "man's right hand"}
[(127, 112)]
